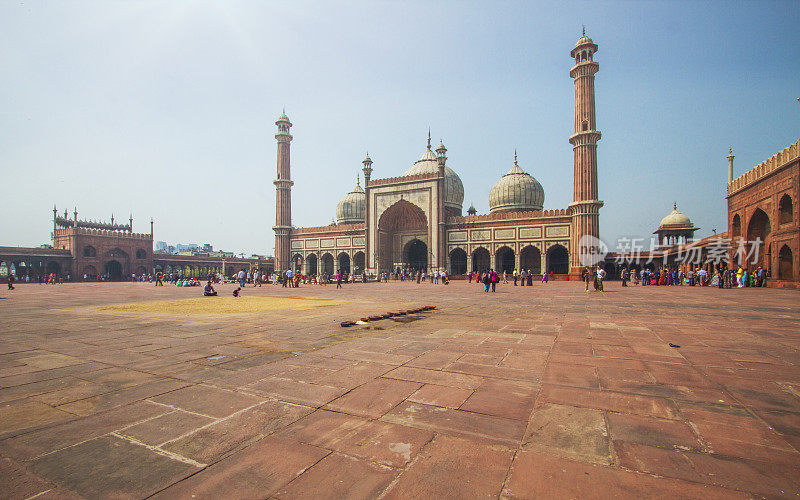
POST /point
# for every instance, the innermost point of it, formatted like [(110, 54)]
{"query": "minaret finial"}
[(515, 156), (584, 30), (429, 138), (675, 206)]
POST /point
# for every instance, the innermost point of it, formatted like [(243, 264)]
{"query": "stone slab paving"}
[(534, 392)]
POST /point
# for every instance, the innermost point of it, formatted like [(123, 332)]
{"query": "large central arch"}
[(398, 227)]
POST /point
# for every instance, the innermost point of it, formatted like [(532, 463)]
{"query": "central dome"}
[(351, 209), (516, 191), (454, 189)]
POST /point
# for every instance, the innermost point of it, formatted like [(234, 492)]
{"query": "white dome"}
[(676, 218), (454, 189), (516, 191), (351, 209)]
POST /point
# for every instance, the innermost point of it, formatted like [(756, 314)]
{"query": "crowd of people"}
[(720, 277)]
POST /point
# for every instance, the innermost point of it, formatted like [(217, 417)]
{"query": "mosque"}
[(416, 220)]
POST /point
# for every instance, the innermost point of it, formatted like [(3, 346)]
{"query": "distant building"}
[(161, 246), (115, 252)]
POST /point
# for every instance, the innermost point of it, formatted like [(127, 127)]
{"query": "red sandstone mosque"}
[(415, 220)]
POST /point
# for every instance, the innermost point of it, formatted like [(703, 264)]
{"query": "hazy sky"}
[(167, 109)]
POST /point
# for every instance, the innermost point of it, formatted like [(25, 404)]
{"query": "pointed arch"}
[(785, 263), (530, 259), (458, 261), (481, 259), (785, 210), (557, 260)]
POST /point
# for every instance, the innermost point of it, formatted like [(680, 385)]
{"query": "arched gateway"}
[(403, 236)]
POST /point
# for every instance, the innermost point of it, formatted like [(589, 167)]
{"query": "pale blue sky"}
[(167, 109)]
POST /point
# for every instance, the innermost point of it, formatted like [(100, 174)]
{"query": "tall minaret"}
[(585, 204), (283, 195)]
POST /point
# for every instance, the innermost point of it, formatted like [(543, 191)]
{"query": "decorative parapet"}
[(330, 228), (778, 160), (100, 232), (403, 178), (498, 216)]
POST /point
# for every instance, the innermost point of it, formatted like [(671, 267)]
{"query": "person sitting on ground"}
[(236, 292), (209, 291)]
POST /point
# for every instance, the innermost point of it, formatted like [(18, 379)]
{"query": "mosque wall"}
[(518, 232), (764, 202)]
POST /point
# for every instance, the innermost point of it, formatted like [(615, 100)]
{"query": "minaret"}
[(441, 160), (368, 260), (283, 195), (55, 216), (730, 164), (585, 206)]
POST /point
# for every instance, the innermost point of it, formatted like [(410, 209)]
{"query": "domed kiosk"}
[(675, 229)]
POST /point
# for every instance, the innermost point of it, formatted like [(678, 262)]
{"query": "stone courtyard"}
[(534, 392)]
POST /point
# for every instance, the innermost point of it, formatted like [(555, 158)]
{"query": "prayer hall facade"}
[(415, 221)]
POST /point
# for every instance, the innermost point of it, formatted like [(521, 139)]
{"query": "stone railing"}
[(403, 178), (508, 216), (766, 167), (330, 228)]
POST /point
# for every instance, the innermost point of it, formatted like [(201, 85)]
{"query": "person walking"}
[(516, 275), (601, 274), (586, 275), (338, 279), (487, 280), (10, 280), (494, 277)]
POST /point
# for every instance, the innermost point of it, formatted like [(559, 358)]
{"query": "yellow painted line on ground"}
[(221, 305)]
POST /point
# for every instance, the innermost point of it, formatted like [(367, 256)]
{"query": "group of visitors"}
[(524, 278), (596, 276), (720, 277)]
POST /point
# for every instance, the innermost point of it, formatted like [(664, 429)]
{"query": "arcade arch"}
[(481, 260), (458, 262), (557, 260), (531, 259)]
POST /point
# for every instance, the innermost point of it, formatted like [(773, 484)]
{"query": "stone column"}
[(544, 261)]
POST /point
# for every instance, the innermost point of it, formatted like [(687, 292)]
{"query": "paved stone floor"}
[(533, 392)]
